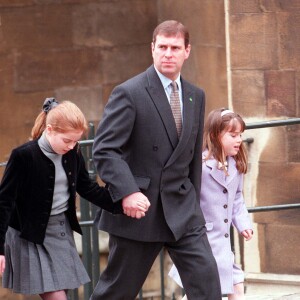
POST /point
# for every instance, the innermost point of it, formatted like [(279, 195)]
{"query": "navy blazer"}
[(26, 192), (136, 148)]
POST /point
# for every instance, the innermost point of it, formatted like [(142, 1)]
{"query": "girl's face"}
[(231, 140), (60, 142)]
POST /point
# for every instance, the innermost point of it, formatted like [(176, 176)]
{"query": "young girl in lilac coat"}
[(221, 199)]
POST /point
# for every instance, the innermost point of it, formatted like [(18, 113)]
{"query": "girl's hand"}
[(247, 234), (2, 264)]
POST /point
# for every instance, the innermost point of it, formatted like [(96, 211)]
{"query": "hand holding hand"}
[(247, 234), (135, 205), (2, 264)]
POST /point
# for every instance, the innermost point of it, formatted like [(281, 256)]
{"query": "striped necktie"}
[(175, 107)]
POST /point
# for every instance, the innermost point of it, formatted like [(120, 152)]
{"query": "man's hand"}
[(2, 264), (135, 205)]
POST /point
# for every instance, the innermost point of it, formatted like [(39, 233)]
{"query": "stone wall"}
[(264, 68)]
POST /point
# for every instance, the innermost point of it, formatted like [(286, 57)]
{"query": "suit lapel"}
[(160, 100), (188, 98)]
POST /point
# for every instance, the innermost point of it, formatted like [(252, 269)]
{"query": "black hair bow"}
[(49, 103)]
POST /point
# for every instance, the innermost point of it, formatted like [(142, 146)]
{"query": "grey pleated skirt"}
[(35, 269)]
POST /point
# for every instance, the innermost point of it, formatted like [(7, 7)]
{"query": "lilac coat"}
[(222, 203)]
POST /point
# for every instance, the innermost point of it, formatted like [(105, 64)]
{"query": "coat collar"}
[(219, 175), (160, 100)]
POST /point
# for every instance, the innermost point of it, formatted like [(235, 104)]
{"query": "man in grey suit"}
[(141, 157)]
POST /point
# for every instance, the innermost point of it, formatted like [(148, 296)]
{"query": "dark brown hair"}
[(215, 124), (172, 28)]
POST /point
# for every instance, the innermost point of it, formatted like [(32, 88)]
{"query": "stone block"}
[(278, 183), (88, 99), (282, 5), (281, 93), (289, 40), (253, 40), (119, 24), (6, 74), (37, 27), (196, 17), (254, 6), (121, 63), (211, 77), (298, 93), (248, 93), (106, 91), (16, 3), (293, 138), (244, 6), (271, 5), (281, 254), (17, 117), (51, 69)]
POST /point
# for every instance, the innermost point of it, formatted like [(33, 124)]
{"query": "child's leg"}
[(238, 292), (58, 295)]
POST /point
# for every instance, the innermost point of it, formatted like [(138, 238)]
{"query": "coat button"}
[(70, 173), (155, 148), (225, 206), (225, 191), (62, 234), (226, 235), (226, 221)]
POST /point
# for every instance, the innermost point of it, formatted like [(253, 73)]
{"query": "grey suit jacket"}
[(136, 148)]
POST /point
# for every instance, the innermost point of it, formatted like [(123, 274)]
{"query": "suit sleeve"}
[(111, 140), (93, 192)]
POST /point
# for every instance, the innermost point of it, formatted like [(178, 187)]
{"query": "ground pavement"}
[(274, 297)]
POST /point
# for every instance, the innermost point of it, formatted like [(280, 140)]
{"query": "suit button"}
[(70, 173), (225, 191), (155, 148), (226, 235), (226, 221), (62, 234), (225, 206)]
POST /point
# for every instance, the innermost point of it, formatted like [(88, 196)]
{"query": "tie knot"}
[(174, 86)]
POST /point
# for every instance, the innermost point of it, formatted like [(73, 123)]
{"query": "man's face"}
[(169, 54)]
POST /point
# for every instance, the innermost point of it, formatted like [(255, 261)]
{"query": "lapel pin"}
[(191, 99)]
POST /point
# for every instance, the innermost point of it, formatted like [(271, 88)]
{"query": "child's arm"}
[(240, 216)]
